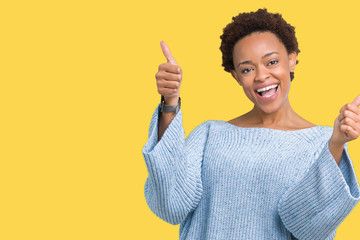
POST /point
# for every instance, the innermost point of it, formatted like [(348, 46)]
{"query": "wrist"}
[(335, 143), (171, 101), (170, 106), (336, 149)]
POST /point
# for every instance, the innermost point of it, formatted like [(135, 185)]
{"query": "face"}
[(261, 62)]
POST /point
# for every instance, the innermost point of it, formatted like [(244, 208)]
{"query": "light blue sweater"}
[(228, 182)]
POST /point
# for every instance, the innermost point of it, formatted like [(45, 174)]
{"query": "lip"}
[(269, 99), (265, 85)]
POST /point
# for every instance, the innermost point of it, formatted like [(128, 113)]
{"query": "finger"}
[(167, 53), (168, 76), (351, 123), (171, 68), (350, 106), (357, 101), (168, 91), (168, 84), (349, 114), (350, 133)]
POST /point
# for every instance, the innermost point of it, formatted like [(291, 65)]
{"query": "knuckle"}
[(162, 66), (160, 75)]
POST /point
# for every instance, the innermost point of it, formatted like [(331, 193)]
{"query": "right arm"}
[(168, 80), (173, 187), (165, 119)]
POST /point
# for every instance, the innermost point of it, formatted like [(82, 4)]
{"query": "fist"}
[(347, 124), (169, 77)]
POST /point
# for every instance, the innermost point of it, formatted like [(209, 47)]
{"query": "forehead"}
[(257, 44)]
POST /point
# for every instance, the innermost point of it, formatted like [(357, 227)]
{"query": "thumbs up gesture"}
[(347, 124), (168, 77)]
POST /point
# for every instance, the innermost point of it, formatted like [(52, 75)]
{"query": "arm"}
[(316, 205), (173, 187), (165, 118), (336, 150), (168, 80), (346, 128)]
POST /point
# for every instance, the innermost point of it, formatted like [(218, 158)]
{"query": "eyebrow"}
[(248, 61)]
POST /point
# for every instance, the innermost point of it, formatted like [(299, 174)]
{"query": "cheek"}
[(245, 84), (248, 90), (282, 70)]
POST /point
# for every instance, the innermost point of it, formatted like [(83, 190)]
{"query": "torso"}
[(244, 174)]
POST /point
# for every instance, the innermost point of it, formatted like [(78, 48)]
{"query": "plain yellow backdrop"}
[(78, 91)]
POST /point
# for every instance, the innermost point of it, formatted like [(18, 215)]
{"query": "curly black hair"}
[(259, 21)]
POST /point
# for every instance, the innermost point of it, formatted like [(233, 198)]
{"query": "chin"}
[(269, 109), (271, 106)]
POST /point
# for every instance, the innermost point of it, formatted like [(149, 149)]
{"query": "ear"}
[(292, 61), (233, 73)]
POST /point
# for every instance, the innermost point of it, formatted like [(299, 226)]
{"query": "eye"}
[(273, 62), (246, 70)]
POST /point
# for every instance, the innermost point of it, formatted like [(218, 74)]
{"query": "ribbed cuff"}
[(172, 132), (173, 187), (315, 206)]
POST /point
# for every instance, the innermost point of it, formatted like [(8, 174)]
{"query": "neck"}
[(279, 118)]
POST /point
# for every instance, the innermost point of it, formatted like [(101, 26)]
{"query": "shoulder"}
[(325, 130), (211, 126), (200, 134), (319, 138), (318, 133)]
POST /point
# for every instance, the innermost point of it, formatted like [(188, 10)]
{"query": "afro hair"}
[(259, 21)]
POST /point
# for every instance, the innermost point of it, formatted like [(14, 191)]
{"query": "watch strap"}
[(169, 108)]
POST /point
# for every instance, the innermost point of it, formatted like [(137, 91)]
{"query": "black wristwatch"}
[(169, 108)]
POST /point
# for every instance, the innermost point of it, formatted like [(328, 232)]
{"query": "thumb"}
[(167, 53), (357, 101)]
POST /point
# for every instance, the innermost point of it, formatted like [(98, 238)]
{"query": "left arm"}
[(336, 151), (315, 206), (346, 128)]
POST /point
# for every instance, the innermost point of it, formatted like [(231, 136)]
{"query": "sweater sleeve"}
[(315, 205), (173, 187)]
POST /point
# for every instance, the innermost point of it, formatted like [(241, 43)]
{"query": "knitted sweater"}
[(229, 182)]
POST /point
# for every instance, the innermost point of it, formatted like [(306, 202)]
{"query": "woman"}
[(268, 174)]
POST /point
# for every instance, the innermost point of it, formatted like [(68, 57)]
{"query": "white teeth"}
[(267, 88)]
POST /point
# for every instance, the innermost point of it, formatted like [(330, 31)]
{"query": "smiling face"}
[(261, 62)]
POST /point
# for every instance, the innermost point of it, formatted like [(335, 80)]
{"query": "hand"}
[(347, 124), (168, 77)]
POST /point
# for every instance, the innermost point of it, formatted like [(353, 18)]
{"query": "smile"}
[(268, 93)]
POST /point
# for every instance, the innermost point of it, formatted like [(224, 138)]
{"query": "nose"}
[(262, 73)]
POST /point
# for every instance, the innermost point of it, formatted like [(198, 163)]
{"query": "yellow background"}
[(78, 91)]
